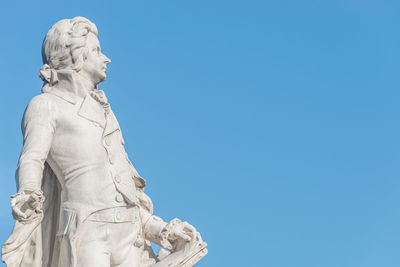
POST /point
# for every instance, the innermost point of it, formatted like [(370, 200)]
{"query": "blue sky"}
[(272, 126)]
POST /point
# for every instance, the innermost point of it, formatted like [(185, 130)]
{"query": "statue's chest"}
[(70, 125), (73, 124), (86, 129)]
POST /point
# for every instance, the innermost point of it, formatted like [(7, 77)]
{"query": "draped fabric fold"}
[(34, 244)]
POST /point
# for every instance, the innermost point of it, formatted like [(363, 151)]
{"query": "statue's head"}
[(72, 44)]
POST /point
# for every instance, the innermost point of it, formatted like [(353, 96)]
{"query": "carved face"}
[(95, 66)]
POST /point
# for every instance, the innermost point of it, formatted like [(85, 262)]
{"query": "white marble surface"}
[(80, 201)]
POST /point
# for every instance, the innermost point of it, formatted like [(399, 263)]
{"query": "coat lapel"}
[(92, 110), (111, 123)]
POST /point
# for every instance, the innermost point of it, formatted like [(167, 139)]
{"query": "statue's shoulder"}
[(40, 104), (44, 98)]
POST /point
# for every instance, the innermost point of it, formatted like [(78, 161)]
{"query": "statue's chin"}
[(102, 78)]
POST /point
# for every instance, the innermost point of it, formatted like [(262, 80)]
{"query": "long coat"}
[(74, 151)]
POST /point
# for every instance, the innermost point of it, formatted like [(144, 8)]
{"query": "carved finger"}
[(188, 225), (184, 236), (191, 234), (19, 213), (13, 202), (189, 228), (18, 199), (34, 198)]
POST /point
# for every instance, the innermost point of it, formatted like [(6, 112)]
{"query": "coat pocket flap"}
[(67, 217)]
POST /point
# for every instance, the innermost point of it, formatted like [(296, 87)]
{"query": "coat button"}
[(118, 216), (107, 140), (119, 197), (139, 242), (117, 178)]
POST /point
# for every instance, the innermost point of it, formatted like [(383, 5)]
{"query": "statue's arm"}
[(38, 127), (152, 226), (165, 234)]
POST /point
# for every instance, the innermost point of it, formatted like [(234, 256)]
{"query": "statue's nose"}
[(106, 59)]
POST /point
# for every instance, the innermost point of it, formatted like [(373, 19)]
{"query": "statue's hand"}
[(26, 205), (177, 234), (182, 231)]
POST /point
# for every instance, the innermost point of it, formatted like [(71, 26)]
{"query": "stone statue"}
[(80, 201)]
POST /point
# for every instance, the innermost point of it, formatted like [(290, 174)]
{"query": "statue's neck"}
[(74, 83)]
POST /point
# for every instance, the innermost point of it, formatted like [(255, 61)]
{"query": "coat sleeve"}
[(38, 127), (152, 225)]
